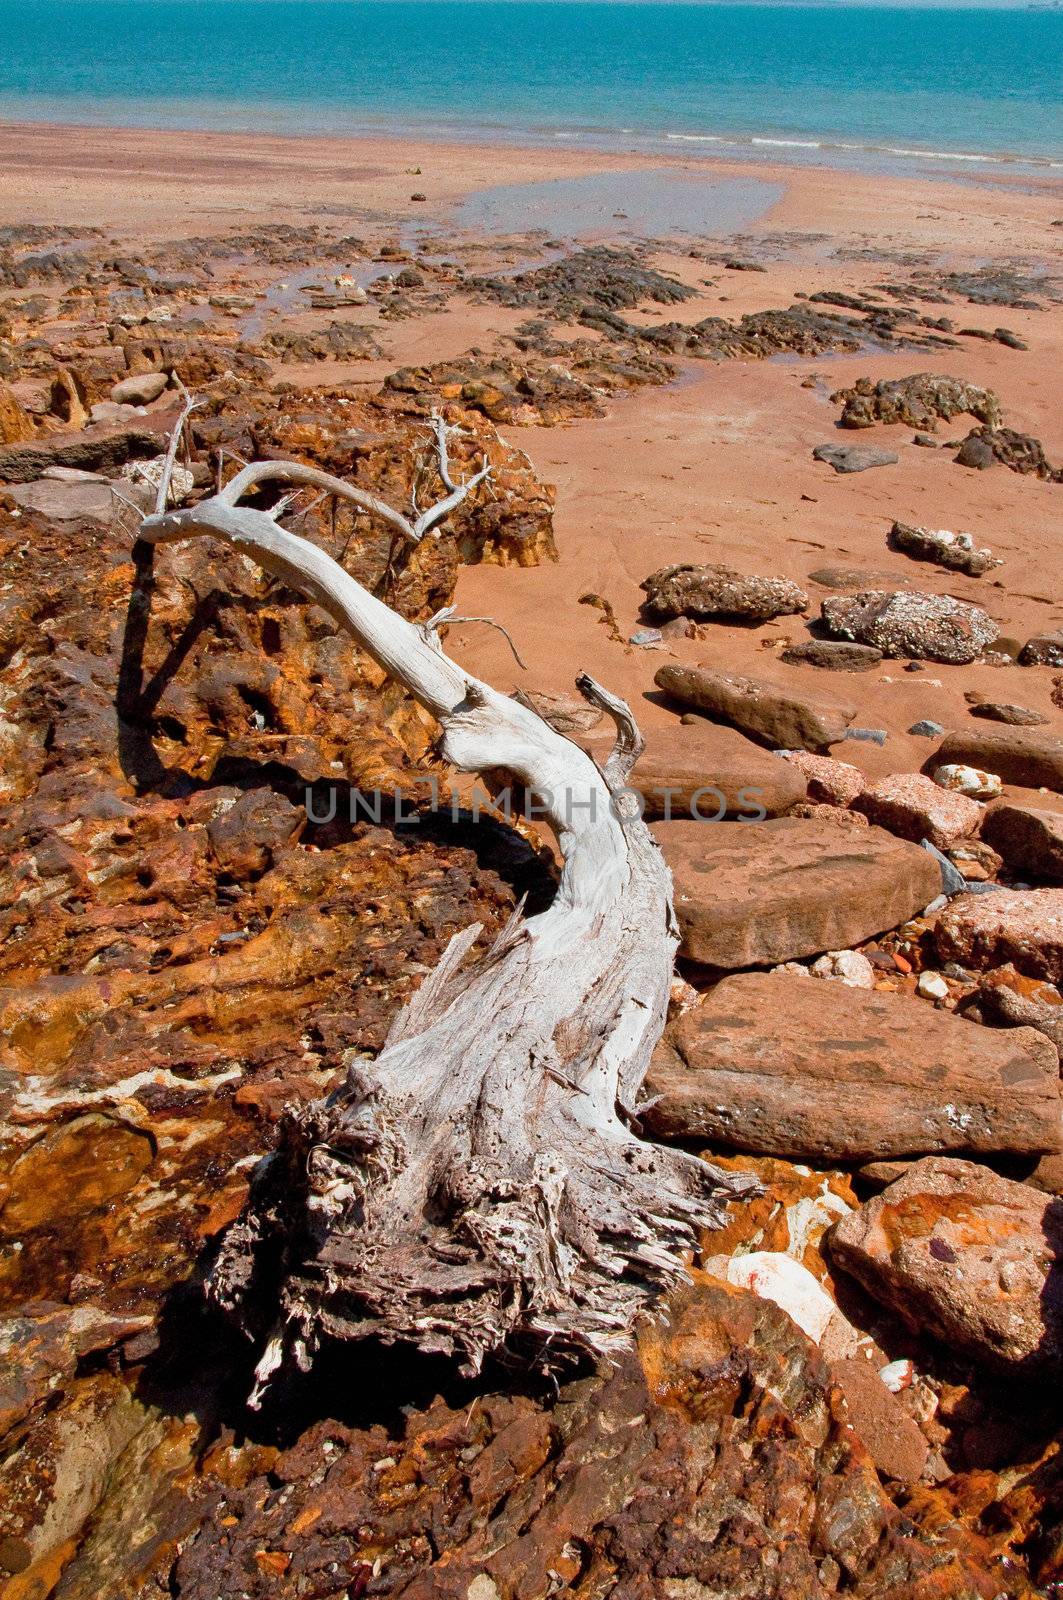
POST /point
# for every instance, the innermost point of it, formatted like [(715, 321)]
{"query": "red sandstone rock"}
[(914, 807), (791, 1067), (713, 769), (1032, 760), (1029, 836), (968, 1256), (757, 893), (773, 716), (834, 816), (1024, 926), (829, 782), (898, 1448)]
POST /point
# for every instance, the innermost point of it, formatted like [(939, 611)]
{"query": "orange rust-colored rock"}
[(721, 1453), (970, 1256), (15, 424)]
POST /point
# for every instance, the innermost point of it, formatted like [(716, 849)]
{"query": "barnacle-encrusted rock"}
[(930, 627), (955, 551), (717, 591), (1019, 451)]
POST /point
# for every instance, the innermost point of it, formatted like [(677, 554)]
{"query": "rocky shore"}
[(796, 496)]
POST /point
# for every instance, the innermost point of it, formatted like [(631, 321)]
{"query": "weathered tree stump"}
[(479, 1184)]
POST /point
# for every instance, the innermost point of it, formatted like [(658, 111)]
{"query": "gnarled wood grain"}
[(479, 1183)]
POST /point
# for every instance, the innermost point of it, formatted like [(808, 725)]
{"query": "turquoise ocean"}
[(957, 89)]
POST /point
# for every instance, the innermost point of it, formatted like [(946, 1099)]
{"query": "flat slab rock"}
[(805, 1069), (753, 894), (763, 711), (1023, 926), (970, 1257), (833, 655), (1031, 760), (839, 577), (1007, 712), (898, 1447), (854, 457), (65, 501), (98, 451), (707, 769)]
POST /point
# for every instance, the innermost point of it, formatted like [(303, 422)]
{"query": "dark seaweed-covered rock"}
[(598, 276), (917, 401), (757, 335), (1019, 451), (1001, 286)]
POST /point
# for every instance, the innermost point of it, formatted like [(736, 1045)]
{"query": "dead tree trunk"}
[(478, 1183)]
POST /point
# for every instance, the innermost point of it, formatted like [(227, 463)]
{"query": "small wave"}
[(939, 155), (859, 147)]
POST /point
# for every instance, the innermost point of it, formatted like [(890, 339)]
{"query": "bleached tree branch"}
[(479, 1184)]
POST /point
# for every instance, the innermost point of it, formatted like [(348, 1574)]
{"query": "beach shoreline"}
[(155, 180), (867, 156)]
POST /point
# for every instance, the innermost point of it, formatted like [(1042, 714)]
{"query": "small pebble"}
[(927, 729), (932, 986), (868, 735), (846, 966), (897, 1375)]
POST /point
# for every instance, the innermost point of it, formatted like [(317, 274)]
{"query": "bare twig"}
[(448, 616), (190, 405), (442, 430)]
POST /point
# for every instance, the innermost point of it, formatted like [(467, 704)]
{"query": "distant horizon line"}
[(1041, 6)]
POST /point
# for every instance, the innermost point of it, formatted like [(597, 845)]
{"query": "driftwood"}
[(479, 1183)]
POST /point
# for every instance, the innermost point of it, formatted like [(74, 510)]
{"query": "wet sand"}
[(161, 181)]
